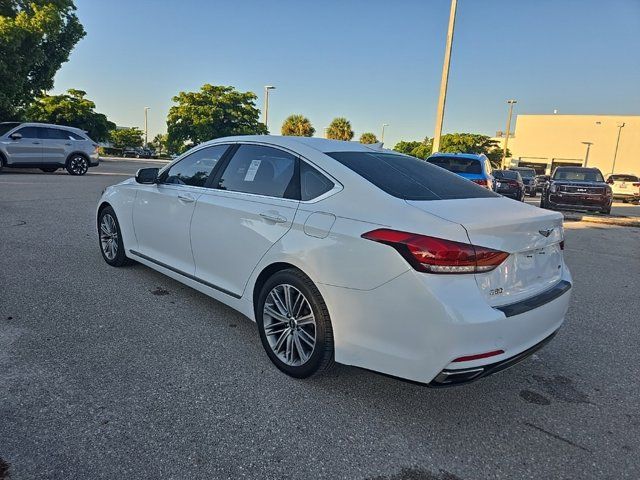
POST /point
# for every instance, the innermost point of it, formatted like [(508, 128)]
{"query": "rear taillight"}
[(482, 182), (468, 358), (437, 255)]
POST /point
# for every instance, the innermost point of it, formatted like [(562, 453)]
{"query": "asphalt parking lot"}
[(125, 373)]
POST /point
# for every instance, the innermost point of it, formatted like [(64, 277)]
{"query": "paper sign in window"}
[(252, 170)]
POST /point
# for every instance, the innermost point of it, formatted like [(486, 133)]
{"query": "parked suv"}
[(47, 147), (577, 188), (625, 187), (528, 179), (476, 168)]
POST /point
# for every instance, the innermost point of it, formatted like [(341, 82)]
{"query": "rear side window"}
[(194, 169), (457, 164), (260, 170), (409, 178), (312, 182), (56, 134)]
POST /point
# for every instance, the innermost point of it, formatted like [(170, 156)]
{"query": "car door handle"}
[(68, 144), (186, 198), (272, 217), (36, 143)]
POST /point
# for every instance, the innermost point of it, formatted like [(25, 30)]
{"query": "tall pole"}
[(445, 77), (615, 154), (266, 104), (586, 156), (382, 136), (506, 139), (146, 125)]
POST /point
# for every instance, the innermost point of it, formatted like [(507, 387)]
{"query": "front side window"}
[(260, 170), (29, 132), (409, 178), (194, 169)]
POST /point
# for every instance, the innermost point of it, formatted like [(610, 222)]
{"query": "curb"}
[(139, 160), (618, 220)]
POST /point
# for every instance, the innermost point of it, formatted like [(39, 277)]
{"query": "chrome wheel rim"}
[(78, 165), (109, 236), (289, 325)]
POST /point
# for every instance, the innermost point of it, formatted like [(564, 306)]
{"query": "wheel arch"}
[(81, 153), (266, 273)]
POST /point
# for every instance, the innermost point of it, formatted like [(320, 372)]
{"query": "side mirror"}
[(15, 136), (610, 181), (147, 175)]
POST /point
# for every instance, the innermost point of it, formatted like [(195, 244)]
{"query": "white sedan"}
[(348, 253)]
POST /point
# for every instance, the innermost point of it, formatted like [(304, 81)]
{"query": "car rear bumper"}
[(415, 326)]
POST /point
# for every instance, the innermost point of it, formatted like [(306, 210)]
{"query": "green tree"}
[(340, 129), (472, 143), (415, 149), (126, 137), (368, 137), (215, 111), (36, 38), (159, 143), (297, 126), (71, 109)]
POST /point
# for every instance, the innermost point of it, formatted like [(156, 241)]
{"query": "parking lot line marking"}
[(557, 437)]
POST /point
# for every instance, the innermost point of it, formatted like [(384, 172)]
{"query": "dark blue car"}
[(476, 168)]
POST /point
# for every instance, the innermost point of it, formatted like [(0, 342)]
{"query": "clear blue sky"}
[(371, 61)]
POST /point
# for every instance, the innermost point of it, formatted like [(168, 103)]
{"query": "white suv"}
[(47, 147), (625, 187)]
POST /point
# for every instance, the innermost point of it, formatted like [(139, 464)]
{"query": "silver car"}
[(47, 147)]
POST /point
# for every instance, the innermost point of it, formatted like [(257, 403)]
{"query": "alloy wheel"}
[(78, 165), (289, 325), (109, 236)]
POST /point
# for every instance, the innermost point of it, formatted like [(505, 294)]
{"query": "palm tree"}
[(297, 126), (368, 137), (340, 129)]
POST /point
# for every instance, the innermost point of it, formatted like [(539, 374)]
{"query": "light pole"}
[(266, 104), (586, 156), (615, 153), (146, 125), (506, 139), (445, 77), (382, 136)]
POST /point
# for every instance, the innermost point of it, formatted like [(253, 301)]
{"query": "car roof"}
[(473, 156), (578, 168), (323, 145), (52, 125)]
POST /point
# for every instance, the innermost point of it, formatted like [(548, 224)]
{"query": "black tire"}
[(606, 211), (49, 169), (77, 165), (533, 194), (321, 358), (120, 258)]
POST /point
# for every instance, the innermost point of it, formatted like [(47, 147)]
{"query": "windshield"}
[(5, 127), (457, 164), (525, 172), (408, 177), (578, 175)]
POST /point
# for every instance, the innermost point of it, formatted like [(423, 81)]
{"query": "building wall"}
[(545, 141)]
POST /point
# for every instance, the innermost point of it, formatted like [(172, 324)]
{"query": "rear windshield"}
[(457, 164), (409, 178), (5, 127), (506, 174), (578, 175), (624, 178), (525, 172)]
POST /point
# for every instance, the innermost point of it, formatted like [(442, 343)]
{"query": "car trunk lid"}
[(529, 234)]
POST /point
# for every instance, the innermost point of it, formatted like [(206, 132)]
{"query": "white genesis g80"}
[(349, 253)]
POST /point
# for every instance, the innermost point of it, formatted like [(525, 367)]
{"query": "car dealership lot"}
[(126, 373)]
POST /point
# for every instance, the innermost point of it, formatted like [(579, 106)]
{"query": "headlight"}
[(553, 188)]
